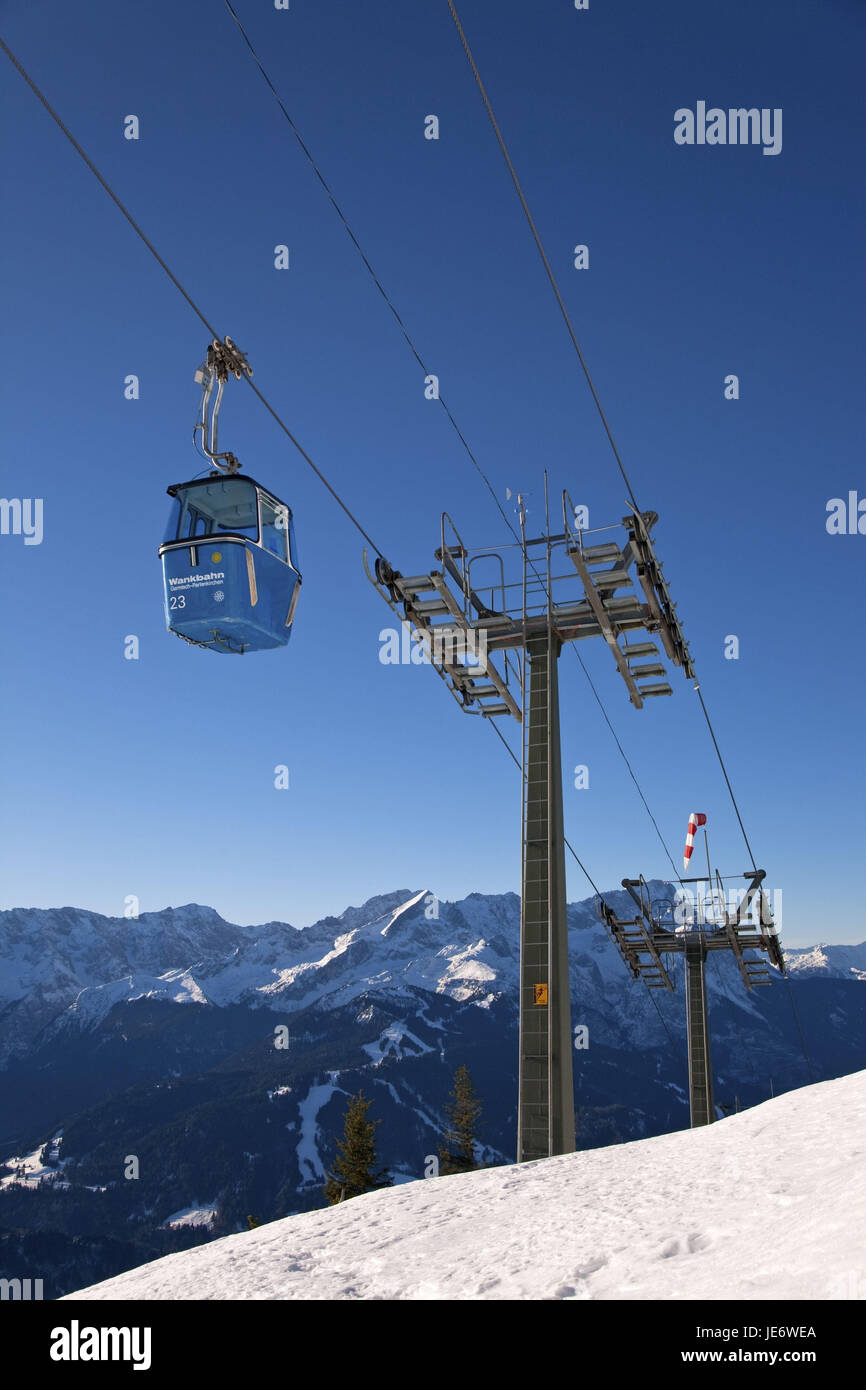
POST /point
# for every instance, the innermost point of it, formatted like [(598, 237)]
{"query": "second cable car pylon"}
[(229, 560), (464, 620)]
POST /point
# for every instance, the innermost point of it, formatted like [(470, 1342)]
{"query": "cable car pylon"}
[(494, 634), (693, 929)]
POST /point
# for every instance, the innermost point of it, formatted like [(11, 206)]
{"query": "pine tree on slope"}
[(463, 1113), (355, 1168)]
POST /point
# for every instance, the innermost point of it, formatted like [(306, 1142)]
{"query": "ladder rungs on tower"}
[(632, 649), (601, 554), (639, 672), (648, 690), (611, 579)]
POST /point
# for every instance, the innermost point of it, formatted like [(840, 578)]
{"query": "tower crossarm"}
[(763, 931), (603, 618), (634, 940), (603, 569), (611, 590), (455, 647), (656, 592)]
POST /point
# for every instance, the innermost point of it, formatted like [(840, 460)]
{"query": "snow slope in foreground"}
[(770, 1203)]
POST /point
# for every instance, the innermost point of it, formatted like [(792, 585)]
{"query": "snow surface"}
[(35, 1171), (196, 1215), (392, 1041), (767, 1204), (309, 1163), (280, 1091)]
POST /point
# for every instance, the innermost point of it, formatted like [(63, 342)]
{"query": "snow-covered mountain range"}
[(155, 1037), (68, 967), (72, 966)]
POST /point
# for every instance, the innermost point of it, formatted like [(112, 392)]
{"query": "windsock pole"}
[(710, 888), (707, 898)]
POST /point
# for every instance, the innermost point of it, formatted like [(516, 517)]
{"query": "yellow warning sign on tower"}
[(540, 994)]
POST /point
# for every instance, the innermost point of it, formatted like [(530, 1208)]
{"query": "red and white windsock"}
[(695, 819)]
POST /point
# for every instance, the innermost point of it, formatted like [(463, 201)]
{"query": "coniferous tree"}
[(355, 1169), (462, 1114)]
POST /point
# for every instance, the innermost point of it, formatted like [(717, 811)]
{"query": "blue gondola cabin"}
[(229, 565)]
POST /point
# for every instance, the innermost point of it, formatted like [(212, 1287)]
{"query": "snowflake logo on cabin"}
[(218, 596)]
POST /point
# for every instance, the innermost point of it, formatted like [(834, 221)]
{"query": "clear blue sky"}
[(155, 777)]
